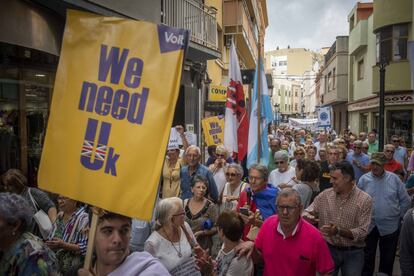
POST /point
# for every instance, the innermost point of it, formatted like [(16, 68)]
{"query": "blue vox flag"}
[(266, 116)]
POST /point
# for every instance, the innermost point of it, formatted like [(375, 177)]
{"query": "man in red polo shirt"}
[(392, 165), (287, 244)]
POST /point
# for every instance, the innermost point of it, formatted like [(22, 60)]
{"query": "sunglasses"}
[(390, 151), (220, 155), (232, 174), (279, 162)]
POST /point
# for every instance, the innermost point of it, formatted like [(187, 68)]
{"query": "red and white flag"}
[(236, 124)]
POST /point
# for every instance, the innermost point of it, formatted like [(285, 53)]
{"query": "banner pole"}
[(91, 242), (259, 102)]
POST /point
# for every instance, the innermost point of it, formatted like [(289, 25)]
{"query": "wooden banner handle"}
[(91, 242)]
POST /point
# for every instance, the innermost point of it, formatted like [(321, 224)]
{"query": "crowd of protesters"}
[(322, 205)]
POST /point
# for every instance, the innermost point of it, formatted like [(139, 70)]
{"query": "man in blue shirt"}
[(359, 160), (390, 202), (192, 156)]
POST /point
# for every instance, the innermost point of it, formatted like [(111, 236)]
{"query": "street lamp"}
[(303, 110), (276, 113), (381, 65)]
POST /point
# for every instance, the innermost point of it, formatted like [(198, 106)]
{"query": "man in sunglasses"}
[(284, 175), (287, 244), (392, 165), (359, 160), (400, 153)]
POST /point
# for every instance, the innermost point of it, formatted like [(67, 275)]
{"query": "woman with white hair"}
[(173, 242), (22, 253), (233, 187)]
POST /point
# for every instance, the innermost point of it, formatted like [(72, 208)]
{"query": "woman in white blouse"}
[(233, 187), (172, 242)]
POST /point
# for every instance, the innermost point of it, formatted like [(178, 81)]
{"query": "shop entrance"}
[(399, 123)]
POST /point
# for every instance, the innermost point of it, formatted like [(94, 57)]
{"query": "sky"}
[(310, 24)]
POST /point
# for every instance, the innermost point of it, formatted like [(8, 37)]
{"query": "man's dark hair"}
[(311, 169), (345, 167), (105, 215), (231, 224)]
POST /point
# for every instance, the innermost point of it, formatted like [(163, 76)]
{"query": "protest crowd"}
[(324, 204)]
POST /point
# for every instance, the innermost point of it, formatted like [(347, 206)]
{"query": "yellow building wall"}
[(215, 72), (218, 4)]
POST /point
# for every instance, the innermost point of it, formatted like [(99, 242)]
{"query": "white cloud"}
[(310, 24)]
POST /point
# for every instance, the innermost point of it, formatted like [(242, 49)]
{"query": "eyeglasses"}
[(395, 141), (279, 162), (254, 178), (231, 174), (220, 155), (390, 151), (357, 147), (366, 148), (289, 209), (334, 153), (192, 156)]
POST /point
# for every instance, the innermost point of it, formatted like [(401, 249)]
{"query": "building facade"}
[(334, 83), (30, 39), (288, 67), (392, 28)]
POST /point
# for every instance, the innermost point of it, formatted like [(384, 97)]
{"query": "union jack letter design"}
[(93, 158)]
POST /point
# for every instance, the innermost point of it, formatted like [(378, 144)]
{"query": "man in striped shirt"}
[(343, 214)]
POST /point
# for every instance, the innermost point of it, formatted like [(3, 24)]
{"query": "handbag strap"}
[(189, 239), (33, 200), (72, 233)]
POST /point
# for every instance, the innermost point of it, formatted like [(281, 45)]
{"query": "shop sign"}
[(393, 99), (217, 93)]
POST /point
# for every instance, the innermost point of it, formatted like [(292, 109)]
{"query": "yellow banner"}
[(213, 128), (217, 93), (113, 103)]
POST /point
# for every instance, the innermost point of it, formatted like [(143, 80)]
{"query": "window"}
[(333, 78), (360, 69), (296, 92), (329, 81), (296, 107), (278, 91), (285, 107), (392, 42)]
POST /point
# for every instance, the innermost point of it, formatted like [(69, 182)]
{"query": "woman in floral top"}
[(22, 253), (69, 238)]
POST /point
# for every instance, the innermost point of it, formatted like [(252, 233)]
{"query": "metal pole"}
[(382, 64), (259, 78)]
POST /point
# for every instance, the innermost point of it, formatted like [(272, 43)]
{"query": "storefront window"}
[(392, 42), (26, 82), (364, 122), (399, 123)]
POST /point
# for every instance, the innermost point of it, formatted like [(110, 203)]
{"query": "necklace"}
[(179, 244)]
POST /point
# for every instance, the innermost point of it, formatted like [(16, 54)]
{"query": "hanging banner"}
[(213, 129), (324, 116), (113, 103), (217, 93)]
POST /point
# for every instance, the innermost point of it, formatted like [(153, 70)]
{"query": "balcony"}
[(358, 37), (200, 20), (237, 23)]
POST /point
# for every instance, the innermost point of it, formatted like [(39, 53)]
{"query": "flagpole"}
[(259, 82)]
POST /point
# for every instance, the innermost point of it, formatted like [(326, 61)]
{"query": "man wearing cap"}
[(391, 165), (359, 160), (284, 175), (390, 202)]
